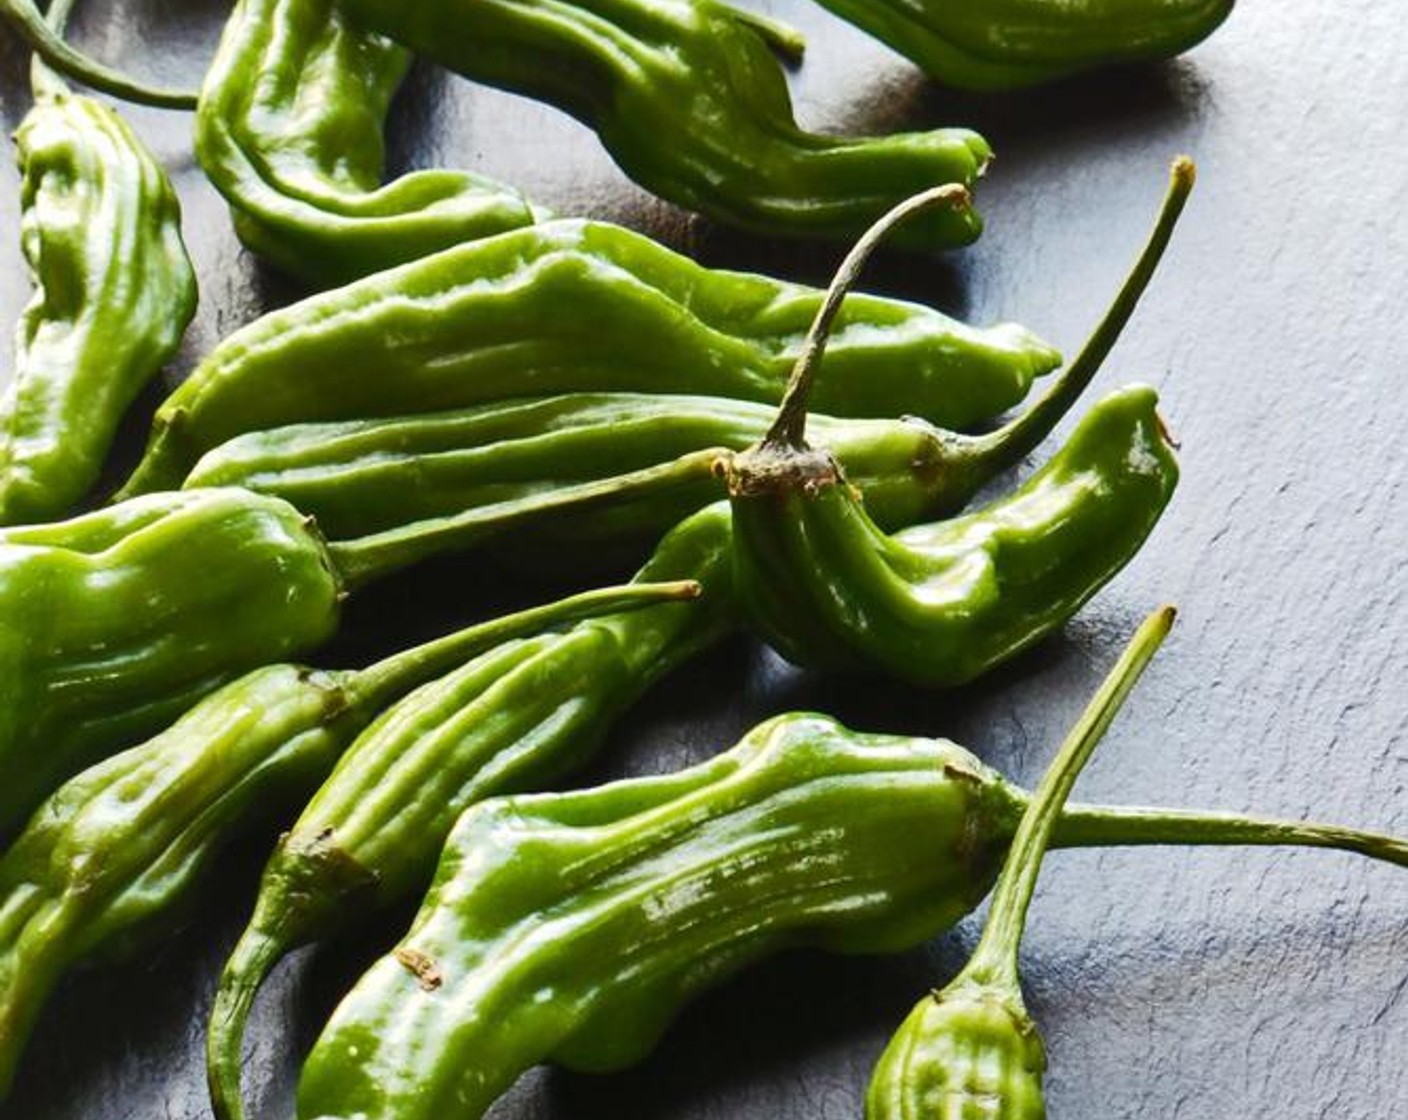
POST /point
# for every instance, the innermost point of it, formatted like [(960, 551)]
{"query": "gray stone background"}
[(1169, 984)]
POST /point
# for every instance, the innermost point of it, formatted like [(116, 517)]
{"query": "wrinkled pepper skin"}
[(511, 719), (939, 605), (289, 130), (572, 927), (368, 476), (987, 45), (972, 1049), (575, 306), (115, 622), (689, 99), (114, 860), (114, 290)]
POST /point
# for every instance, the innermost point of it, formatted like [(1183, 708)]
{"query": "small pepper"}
[(939, 605), (113, 623), (574, 306), (972, 1049), (114, 290), (289, 130), (511, 719), (689, 99), (1004, 44), (112, 862), (572, 927)]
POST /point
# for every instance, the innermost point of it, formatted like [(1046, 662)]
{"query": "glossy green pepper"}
[(49, 45), (365, 477), (689, 99), (1002, 44), (972, 1049), (289, 129), (939, 605), (113, 623), (572, 927), (113, 861), (101, 231), (574, 306), (511, 719)]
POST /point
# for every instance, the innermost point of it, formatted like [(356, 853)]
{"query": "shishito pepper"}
[(972, 1049), (575, 306), (113, 861), (941, 604), (511, 719), (371, 834), (113, 623), (364, 477), (689, 99), (572, 927), (289, 130), (114, 290), (1002, 44)]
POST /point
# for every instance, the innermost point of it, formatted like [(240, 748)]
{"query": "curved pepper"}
[(1002, 44), (114, 291), (574, 306), (511, 719), (289, 130), (113, 623), (689, 99), (572, 927), (112, 862), (972, 1049), (942, 604)]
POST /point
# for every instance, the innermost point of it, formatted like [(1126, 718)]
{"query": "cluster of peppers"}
[(439, 401)]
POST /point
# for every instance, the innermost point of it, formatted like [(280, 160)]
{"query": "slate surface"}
[(1169, 984)]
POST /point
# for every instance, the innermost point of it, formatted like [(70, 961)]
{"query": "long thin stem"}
[(363, 559), (995, 959), (378, 683), (1107, 826), (789, 429), (51, 47), (1010, 443)]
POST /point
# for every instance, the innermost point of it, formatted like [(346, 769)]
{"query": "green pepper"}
[(572, 927), (50, 46), (113, 861), (972, 1049), (939, 605), (574, 306), (511, 719), (289, 130), (114, 290), (1002, 44), (689, 99), (113, 623)]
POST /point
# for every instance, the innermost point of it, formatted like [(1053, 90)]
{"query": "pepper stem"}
[(374, 687), (1108, 826), (44, 83), (788, 430), (994, 961), (363, 559), (67, 60), (1013, 441)]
